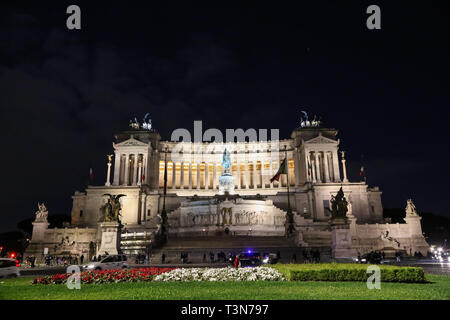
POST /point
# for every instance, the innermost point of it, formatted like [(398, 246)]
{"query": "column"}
[(330, 167), (271, 172), (133, 180), (174, 174), (144, 170), (308, 172), (295, 156), (190, 175), (238, 165), (255, 184), (117, 169), (247, 176), (142, 215), (139, 178), (279, 180), (206, 175), (318, 176), (325, 166), (198, 175), (337, 175), (182, 175), (344, 168), (127, 168), (108, 175), (214, 175), (313, 168), (263, 183)]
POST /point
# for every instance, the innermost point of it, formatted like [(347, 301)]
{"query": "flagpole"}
[(287, 176), (165, 181), (289, 218)]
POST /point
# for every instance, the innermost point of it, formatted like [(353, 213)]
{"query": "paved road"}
[(428, 265)]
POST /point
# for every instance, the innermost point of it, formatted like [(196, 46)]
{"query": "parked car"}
[(250, 259), (108, 263), (269, 258), (9, 268), (371, 257)]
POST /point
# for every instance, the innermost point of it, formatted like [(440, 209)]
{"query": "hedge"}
[(348, 272)]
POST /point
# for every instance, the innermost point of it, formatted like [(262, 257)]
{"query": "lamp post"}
[(163, 230), (289, 217)]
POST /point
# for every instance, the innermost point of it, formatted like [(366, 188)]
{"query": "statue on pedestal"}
[(42, 213), (226, 180), (226, 161), (410, 208), (111, 210), (339, 206)]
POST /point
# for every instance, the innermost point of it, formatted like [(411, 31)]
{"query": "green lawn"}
[(22, 289)]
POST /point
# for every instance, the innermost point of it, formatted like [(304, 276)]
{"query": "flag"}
[(362, 174), (280, 171), (91, 175), (309, 168)]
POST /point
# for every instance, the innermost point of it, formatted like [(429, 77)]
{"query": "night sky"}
[(64, 94)]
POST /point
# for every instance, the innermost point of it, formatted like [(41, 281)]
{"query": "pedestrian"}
[(305, 256), (163, 258), (236, 261), (204, 257), (82, 259)]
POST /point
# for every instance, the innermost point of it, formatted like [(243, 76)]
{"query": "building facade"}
[(316, 170)]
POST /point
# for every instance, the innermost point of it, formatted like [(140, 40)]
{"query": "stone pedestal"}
[(226, 184), (39, 228), (341, 247), (110, 238)]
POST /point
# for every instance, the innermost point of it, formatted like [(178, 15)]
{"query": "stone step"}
[(228, 242)]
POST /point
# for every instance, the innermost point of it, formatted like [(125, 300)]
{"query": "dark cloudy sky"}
[(63, 94)]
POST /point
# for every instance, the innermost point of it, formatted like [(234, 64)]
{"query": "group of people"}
[(142, 259), (310, 256), (50, 260), (221, 257)]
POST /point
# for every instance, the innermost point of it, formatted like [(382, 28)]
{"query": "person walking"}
[(236, 261), (82, 259), (163, 258)]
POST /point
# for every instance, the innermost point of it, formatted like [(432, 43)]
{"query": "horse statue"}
[(147, 125), (135, 124)]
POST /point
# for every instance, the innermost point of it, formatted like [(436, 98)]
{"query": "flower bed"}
[(222, 274), (106, 276), (348, 272)]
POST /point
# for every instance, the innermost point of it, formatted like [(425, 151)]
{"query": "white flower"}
[(221, 274)]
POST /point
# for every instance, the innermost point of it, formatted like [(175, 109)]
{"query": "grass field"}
[(20, 288)]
